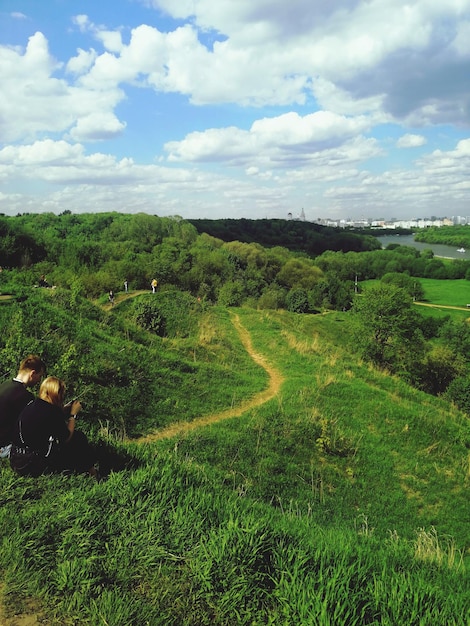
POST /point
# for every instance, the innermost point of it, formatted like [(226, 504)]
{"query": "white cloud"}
[(411, 141), (36, 102), (279, 142), (82, 62), (96, 127)]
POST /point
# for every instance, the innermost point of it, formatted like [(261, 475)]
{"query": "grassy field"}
[(446, 292), (340, 501), (442, 297)]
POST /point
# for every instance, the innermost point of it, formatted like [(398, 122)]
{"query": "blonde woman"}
[(45, 438)]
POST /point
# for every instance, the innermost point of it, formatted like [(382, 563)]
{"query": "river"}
[(446, 252)]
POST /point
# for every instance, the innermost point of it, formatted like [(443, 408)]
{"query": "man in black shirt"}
[(14, 396)]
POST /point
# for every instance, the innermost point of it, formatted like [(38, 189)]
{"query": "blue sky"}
[(236, 108)]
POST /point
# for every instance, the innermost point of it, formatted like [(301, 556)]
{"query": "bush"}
[(297, 301), (148, 316), (272, 298), (168, 313), (458, 392)]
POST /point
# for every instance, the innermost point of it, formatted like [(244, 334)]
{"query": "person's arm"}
[(74, 410)]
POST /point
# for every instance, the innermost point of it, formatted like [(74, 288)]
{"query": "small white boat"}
[(461, 250)]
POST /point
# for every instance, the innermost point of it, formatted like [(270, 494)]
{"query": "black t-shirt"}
[(13, 398), (37, 423)]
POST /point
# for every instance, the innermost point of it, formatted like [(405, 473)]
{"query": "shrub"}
[(297, 301), (169, 313), (459, 392), (148, 316)]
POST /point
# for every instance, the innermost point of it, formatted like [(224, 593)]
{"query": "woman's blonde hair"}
[(52, 390)]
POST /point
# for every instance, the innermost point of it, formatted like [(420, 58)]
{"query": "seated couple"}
[(45, 441), (39, 434)]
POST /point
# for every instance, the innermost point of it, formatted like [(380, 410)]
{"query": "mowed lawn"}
[(446, 292)]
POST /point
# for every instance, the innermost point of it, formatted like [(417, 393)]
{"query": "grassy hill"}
[(340, 499)]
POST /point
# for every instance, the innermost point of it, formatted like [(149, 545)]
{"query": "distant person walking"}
[(154, 284), (126, 285), (111, 297), (14, 396)]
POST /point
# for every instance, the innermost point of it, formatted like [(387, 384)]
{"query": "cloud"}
[(411, 141), (387, 51), (38, 102), (280, 102), (273, 142)]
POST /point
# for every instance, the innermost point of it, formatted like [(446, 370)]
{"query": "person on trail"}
[(14, 396), (126, 285), (45, 438), (154, 284), (111, 297)]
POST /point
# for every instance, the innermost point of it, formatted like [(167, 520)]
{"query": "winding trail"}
[(275, 382)]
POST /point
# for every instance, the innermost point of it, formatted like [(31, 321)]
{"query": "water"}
[(446, 252)]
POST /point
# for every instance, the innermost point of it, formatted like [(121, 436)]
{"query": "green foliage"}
[(272, 298), (395, 259), (458, 392), (332, 293), (412, 286), (231, 294), (321, 502), (148, 316), (439, 367), (458, 236), (296, 236), (299, 274), (169, 313), (297, 301), (387, 334)]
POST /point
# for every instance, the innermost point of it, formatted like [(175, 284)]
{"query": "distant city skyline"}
[(382, 223)]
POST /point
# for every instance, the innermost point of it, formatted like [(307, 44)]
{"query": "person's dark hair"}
[(33, 363)]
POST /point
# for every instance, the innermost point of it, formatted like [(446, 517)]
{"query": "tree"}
[(411, 285), (438, 369), (387, 331), (299, 273), (332, 293)]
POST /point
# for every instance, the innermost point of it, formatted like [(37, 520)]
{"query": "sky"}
[(345, 109)]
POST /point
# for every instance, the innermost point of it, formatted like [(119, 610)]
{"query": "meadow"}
[(341, 500), (447, 292)]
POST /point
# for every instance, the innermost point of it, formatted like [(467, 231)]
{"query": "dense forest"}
[(287, 433), (298, 236)]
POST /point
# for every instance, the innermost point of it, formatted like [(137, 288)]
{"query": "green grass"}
[(446, 292), (342, 501)]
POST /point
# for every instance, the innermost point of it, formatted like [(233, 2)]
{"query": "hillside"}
[(335, 495)]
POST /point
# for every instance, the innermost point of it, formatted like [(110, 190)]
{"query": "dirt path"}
[(442, 306), (275, 382), (121, 296)]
